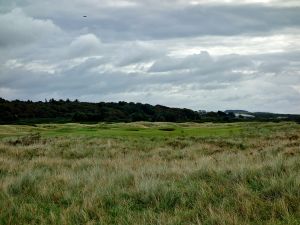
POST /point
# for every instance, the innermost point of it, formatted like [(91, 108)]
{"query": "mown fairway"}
[(150, 173)]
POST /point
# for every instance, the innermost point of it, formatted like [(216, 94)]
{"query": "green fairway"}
[(150, 173), (142, 129)]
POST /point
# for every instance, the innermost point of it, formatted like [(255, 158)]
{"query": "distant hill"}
[(264, 115)]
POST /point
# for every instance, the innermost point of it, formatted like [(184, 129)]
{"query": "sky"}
[(197, 54)]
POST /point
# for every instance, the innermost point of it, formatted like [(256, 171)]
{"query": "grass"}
[(145, 129), (150, 173)]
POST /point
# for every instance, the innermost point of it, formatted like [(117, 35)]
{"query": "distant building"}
[(243, 115)]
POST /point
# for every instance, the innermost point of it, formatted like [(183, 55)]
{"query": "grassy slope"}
[(243, 173)]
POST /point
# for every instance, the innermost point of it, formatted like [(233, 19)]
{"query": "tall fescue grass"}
[(248, 178)]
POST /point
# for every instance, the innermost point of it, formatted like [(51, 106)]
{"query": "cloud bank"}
[(221, 55)]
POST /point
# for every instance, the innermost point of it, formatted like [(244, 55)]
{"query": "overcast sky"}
[(225, 54)]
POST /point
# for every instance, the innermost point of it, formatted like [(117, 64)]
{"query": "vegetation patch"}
[(132, 129), (26, 140), (167, 128)]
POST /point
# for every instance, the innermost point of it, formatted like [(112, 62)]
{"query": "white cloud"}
[(85, 45), (17, 28), (34, 66)]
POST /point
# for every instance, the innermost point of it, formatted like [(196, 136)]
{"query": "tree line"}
[(17, 111)]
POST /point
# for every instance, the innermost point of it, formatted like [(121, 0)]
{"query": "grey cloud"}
[(135, 52), (146, 24), (190, 62), (202, 63), (215, 76), (164, 19)]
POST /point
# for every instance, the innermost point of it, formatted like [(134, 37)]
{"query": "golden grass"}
[(249, 178)]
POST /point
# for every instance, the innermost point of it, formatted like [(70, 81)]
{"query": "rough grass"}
[(139, 174)]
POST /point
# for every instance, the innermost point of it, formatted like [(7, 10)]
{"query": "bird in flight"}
[(84, 16)]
